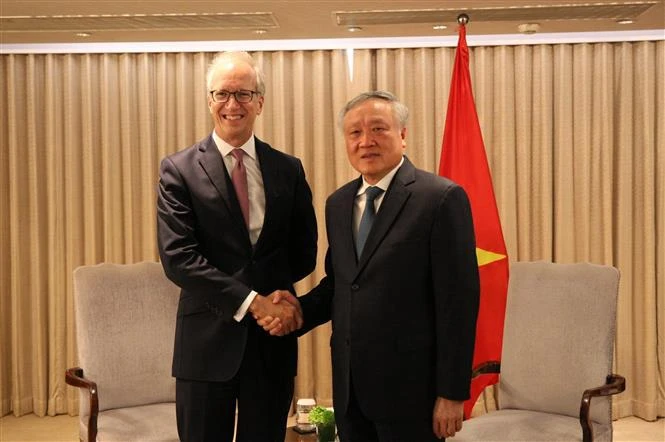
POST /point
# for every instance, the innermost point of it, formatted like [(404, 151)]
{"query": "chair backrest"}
[(125, 320), (558, 337)]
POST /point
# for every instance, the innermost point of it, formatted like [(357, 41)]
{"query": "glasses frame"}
[(235, 95)]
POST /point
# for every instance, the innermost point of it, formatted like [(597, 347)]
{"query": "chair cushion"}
[(154, 422), (519, 425)]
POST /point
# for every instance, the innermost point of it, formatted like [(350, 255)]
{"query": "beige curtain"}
[(575, 137)]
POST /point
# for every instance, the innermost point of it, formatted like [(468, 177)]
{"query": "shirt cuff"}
[(242, 310)]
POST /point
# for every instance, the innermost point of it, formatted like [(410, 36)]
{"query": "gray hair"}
[(223, 57), (400, 110)]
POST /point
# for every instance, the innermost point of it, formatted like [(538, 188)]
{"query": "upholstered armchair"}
[(125, 319), (556, 368)]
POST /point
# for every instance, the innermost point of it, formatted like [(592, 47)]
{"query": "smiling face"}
[(375, 142), (234, 122)]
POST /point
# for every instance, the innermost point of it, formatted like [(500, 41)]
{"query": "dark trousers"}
[(354, 426), (206, 410)]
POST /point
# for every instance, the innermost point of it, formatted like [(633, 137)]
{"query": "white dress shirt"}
[(257, 196)]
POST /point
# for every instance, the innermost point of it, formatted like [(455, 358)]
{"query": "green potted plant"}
[(324, 420)]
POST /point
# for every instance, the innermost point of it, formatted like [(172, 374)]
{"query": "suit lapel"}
[(213, 165), (270, 173), (390, 209)]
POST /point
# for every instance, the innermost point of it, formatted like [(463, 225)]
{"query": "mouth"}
[(233, 117), (369, 156)]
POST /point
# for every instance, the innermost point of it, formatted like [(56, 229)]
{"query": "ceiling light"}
[(259, 31), (439, 27), (83, 34), (528, 28), (625, 21), (354, 29)]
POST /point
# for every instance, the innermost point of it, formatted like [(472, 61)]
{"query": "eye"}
[(244, 95), (222, 95)]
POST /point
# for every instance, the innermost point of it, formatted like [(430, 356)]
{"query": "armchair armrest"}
[(74, 377), (489, 367), (614, 384)]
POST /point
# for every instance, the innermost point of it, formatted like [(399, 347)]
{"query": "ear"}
[(260, 101), (402, 134), (210, 103)]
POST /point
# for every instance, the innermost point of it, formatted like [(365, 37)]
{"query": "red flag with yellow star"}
[(464, 161)]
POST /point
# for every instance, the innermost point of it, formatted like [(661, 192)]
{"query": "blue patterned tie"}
[(367, 218)]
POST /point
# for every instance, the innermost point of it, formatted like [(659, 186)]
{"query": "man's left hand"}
[(447, 417)]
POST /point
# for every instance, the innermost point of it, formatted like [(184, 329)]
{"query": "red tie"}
[(239, 179)]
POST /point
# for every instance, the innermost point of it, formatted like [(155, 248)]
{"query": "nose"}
[(232, 102), (365, 139)]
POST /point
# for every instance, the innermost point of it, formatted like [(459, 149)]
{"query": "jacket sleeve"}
[(303, 230), (456, 293), (317, 304)]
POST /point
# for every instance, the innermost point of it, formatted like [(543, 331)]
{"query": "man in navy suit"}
[(235, 224), (401, 287)]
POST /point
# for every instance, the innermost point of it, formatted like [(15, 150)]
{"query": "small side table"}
[(293, 436)]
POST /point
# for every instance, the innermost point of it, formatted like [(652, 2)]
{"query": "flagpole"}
[(464, 160)]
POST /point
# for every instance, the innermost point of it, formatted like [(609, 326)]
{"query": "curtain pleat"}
[(574, 134)]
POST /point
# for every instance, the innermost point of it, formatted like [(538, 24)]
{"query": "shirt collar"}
[(225, 148), (384, 182)]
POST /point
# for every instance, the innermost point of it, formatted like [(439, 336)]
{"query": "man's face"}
[(374, 141), (234, 122)]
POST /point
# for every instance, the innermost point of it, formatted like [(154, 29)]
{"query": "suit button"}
[(355, 287), (346, 341)]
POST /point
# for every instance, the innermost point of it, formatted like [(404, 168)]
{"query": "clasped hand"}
[(278, 313)]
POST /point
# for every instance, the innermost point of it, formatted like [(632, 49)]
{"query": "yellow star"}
[(487, 257)]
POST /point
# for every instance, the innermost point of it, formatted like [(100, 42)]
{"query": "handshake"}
[(278, 313)]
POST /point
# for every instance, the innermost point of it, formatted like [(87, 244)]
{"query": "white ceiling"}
[(31, 21)]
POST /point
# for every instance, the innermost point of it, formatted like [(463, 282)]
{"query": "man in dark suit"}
[(235, 224), (402, 293)]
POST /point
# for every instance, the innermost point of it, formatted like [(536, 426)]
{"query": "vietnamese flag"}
[(464, 161)]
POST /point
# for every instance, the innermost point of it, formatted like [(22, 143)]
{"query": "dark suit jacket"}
[(404, 314), (205, 249)]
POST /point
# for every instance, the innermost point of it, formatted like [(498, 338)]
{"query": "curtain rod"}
[(328, 44)]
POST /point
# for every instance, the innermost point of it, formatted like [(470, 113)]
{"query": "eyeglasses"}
[(241, 96)]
